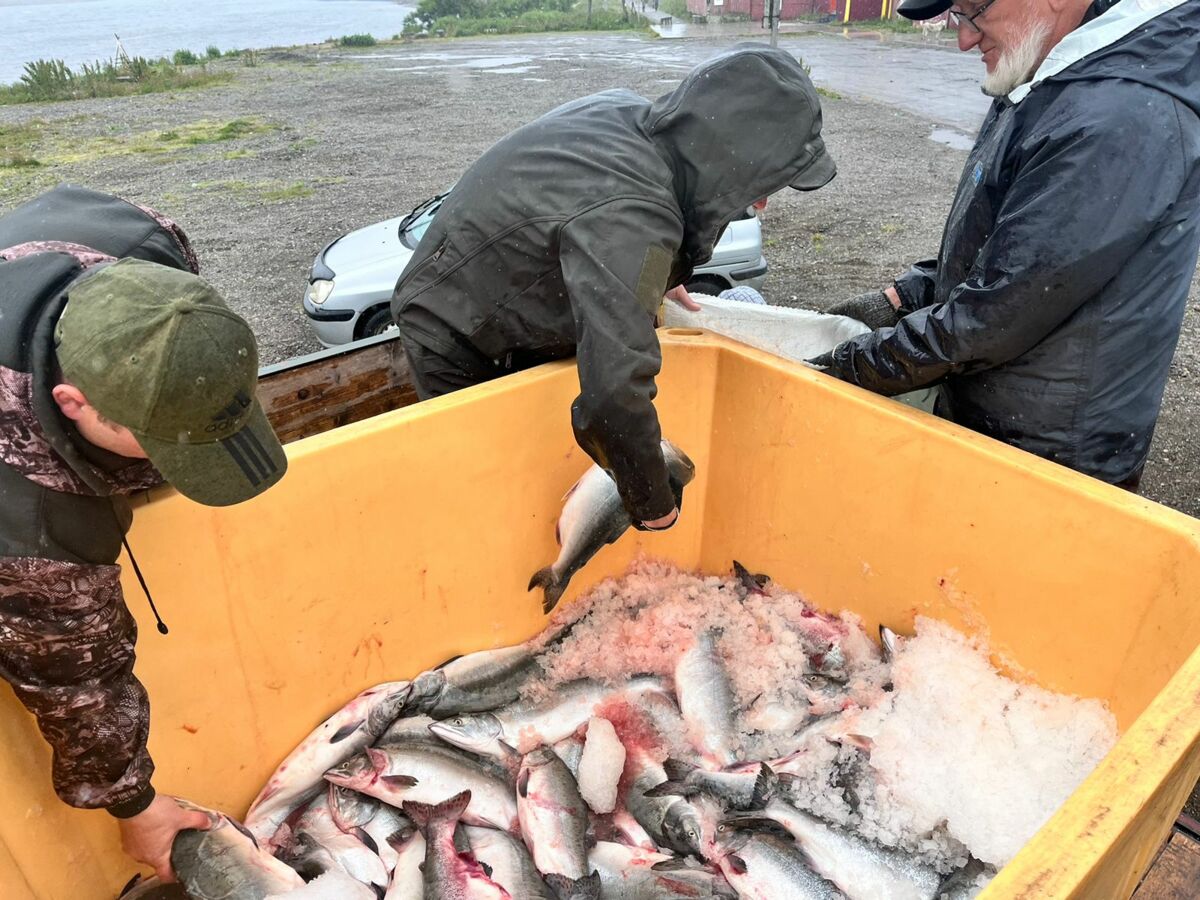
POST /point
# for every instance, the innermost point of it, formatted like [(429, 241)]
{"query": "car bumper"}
[(751, 275), (333, 327)]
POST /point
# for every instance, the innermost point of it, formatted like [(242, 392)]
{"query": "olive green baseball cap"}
[(157, 350)]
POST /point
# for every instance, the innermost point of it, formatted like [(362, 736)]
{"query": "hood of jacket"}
[(739, 128), (1150, 42)]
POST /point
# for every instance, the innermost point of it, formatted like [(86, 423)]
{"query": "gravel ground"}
[(351, 138)]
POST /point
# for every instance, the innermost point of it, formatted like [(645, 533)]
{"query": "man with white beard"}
[(1051, 314)]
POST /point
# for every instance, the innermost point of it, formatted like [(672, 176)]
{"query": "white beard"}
[(1016, 66)]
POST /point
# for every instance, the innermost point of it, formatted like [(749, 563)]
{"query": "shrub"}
[(358, 40), (46, 79), (185, 58)]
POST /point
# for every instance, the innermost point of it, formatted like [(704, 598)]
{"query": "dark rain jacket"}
[(66, 637), (1052, 311), (562, 238)]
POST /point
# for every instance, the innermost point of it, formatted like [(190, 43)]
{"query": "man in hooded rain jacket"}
[(1051, 314), (562, 239)]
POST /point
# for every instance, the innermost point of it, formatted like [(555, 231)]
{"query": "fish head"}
[(226, 857), (357, 772), (427, 689), (396, 698), (479, 733), (682, 469), (349, 808), (730, 839), (542, 756), (683, 828)]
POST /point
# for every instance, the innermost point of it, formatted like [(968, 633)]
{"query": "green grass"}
[(295, 191), (358, 40), (826, 92), (896, 26), (19, 161), (38, 144), (189, 135), (259, 191), (51, 80)]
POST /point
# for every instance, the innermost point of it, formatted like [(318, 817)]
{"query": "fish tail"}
[(424, 814), (764, 787), (549, 582), (677, 769)]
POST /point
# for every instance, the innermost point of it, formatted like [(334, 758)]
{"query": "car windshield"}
[(412, 227)]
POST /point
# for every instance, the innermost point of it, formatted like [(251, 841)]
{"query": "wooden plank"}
[(327, 390), (1175, 874)]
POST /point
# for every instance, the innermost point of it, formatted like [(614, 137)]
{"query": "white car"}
[(351, 282)]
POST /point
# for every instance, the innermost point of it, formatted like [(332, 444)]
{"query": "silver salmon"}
[(553, 817), (593, 516), (346, 733), (449, 874), (522, 727), (706, 701), (766, 867), (511, 865), (399, 774), (226, 863), (861, 869)]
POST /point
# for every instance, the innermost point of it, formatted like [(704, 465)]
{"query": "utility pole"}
[(773, 18)]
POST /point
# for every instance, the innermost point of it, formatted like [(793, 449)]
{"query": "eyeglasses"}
[(962, 18)]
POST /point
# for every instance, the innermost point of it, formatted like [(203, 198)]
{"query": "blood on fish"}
[(679, 888)]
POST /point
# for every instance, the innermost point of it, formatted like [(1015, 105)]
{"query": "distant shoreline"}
[(160, 29)]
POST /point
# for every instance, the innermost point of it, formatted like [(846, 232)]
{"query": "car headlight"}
[(319, 291)]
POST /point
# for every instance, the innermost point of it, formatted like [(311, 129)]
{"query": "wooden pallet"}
[(322, 391), (1175, 872)]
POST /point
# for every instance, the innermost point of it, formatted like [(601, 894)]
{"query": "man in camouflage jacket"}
[(119, 368)]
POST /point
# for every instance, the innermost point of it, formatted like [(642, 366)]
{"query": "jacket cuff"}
[(660, 503), (138, 803), (915, 286)]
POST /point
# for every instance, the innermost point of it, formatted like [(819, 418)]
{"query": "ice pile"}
[(936, 753)]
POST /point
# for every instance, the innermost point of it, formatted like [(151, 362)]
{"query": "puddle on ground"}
[(515, 70), (952, 138), (450, 61)]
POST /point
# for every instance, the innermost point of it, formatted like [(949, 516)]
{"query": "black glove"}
[(677, 490), (873, 309)]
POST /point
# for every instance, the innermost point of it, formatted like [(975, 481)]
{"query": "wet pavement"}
[(941, 85)]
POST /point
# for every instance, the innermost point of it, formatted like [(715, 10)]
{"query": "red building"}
[(860, 10)]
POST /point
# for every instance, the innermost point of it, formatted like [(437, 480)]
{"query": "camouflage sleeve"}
[(67, 648)]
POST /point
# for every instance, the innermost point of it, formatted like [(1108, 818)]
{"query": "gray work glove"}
[(873, 309), (821, 363)]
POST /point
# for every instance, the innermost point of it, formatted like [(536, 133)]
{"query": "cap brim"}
[(817, 173), (923, 9), (223, 472)]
